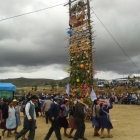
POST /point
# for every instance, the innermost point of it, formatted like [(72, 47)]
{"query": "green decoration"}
[(78, 91)]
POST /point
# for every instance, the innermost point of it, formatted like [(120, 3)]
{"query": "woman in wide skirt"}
[(63, 117), (11, 120), (104, 119)]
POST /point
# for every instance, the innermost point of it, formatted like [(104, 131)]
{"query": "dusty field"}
[(125, 119)]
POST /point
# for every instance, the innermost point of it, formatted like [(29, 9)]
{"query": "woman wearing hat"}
[(17, 113), (11, 120), (104, 119)]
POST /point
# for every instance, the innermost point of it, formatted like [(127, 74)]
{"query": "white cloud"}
[(47, 72), (108, 75)]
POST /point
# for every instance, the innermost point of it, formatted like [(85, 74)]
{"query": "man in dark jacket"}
[(79, 116), (53, 117), (4, 110)]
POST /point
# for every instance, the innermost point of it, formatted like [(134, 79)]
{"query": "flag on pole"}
[(93, 95), (68, 89)]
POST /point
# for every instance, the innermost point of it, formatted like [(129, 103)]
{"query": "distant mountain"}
[(26, 82)]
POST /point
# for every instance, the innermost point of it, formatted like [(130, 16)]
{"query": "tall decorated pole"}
[(80, 48)]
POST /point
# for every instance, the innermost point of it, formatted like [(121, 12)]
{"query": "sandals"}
[(96, 135), (23, 138), (70, 136), (8, 136), (3, 133), (110, 136), (102, 137)]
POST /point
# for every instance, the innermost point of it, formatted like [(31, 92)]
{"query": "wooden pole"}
[(69, 7), (70, 2), (80, 50), (90, 30)]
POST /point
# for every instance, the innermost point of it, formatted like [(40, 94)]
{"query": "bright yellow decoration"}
[(78, 80), (67, 69)]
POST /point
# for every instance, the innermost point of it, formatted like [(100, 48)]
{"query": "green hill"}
[(26, 82)]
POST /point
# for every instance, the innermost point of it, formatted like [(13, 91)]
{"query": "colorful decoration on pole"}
[(80, 48), (81, 66), (67, 69), (85, 87), (69, 32), (78, 80)]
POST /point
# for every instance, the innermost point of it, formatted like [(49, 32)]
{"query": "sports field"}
[(125, 119)]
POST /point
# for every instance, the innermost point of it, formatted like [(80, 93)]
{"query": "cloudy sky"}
[(36, 45)]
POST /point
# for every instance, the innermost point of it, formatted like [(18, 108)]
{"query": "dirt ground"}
[(125, 119)]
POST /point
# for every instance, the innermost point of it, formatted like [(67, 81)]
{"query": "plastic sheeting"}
[(7, 87)]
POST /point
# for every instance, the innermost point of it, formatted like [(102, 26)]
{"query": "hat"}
[(34, 97), (15, 100)]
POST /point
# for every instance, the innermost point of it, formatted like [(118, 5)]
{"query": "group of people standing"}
[(76, 110), (58, 116), (56, 110), (62, 113), (9, 116)]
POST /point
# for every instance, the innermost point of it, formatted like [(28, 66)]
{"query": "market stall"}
[(7, 90)]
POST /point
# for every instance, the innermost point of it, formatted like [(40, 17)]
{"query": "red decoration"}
[(85, 86)]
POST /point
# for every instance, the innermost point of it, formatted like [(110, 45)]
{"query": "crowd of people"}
[(62, 112), (127, 98), (114, 84)]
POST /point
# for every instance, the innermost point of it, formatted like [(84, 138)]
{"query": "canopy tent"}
[(7, 87), (7, 90)]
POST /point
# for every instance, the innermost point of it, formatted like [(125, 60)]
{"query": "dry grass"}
[(45, 90), (125, 119)]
